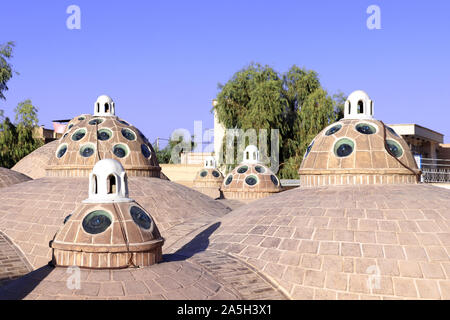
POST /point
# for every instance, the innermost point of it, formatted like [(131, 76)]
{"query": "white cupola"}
[(251, 154), (358, 106), (210, 162), (108, 183), (104, 106)]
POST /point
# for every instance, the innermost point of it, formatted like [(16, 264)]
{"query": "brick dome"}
[(89, 139), (109, 229), (357, 151), (35, 163), (346, 242), (9, 177)]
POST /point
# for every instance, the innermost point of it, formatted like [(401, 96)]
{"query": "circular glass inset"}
[(70, 126), (95, 121), (242, 169), (274, 179), (333, 130), (215, 173), (128, 134), (260, 169), (309, 149), (61, 151), (65, 135), (343, 147), (251, 180), (67, 218), (394, 148), (87, 150), (97, 222), (204, 173), (79, 134), (120, 150), (365, 128), (145, 150), (229, 179), (81, 118), (104, 134), (140, 217), (392, 131), (123, 122)]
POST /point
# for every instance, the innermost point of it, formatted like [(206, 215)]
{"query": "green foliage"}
[(6, 71), (16, 140), (258, 97)]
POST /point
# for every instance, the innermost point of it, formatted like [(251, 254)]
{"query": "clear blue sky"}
[(161, 60)]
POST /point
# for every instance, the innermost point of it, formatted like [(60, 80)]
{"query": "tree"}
[(258, 97), (6, 71), (16, 140)]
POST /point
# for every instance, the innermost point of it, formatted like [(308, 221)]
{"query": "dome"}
[(108, 232), (208, 179), (358, 227), (35, 163), (250, 181), (32, 212), (89, 139), (353, 151), (9, 177)]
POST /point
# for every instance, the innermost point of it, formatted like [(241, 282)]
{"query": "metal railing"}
[(435, 170)]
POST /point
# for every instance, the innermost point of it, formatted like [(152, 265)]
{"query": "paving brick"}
[(404, 288)]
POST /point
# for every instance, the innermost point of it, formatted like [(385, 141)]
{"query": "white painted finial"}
[(251, 154), (358, 106), (108, 183), (210, 162), (104, 106)]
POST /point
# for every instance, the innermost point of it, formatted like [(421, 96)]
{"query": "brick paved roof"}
[(326, 242), (9, 177)]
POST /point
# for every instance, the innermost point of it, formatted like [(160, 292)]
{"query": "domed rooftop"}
[(31, 212), (109, 230), (90, 138), (358, 227), (358, 150), (251, 179), (35, 163), (9, 177), (208, 179)]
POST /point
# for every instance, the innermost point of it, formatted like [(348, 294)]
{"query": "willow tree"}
[(258, 97), (6, 71), (17, 140)]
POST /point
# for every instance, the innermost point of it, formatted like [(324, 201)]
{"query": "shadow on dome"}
[(198, 244)]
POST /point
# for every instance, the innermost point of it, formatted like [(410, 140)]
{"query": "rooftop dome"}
[(35, 163), (208, 179), (108, 230), (89, 139), (357, 151), (251, 179), (9, 177), (358, 227), (31, 213)]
